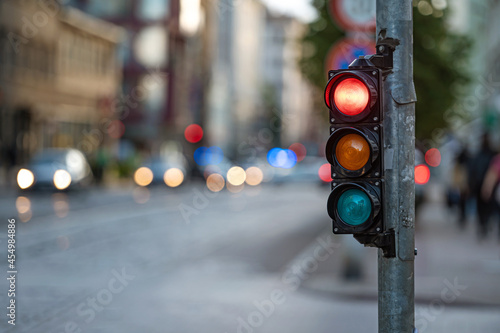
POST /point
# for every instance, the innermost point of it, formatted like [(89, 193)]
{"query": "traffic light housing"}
[(355, 149)]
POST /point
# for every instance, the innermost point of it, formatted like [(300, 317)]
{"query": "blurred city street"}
[(102, 262), (204, 165)]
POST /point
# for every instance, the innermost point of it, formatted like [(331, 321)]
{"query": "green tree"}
[(439, 61)]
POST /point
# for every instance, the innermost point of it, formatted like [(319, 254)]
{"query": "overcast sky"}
[(299, 8)]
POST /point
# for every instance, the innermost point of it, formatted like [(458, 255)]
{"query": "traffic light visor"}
[(352, 152), (354, 207), (351, 96)]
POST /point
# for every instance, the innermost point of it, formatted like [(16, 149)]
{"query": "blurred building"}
[(160, 97), (59, 76), (257, 95), (281, 73), (478, 19)]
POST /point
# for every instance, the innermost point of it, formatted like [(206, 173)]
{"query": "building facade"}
[(258, 97), (59, 77)]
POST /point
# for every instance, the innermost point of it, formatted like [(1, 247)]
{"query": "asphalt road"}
[(187, 260)]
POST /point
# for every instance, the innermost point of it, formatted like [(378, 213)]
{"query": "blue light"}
[(272, 157), (216, 155), (354, 207), (282, 158), (205, 156), (200, 156), (291, 159)]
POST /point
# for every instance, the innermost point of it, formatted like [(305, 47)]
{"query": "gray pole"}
[(396, 275)]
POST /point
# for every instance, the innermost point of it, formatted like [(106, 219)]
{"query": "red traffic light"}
[(351, 96)]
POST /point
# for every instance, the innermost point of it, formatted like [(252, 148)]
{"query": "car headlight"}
[(173, 177), (143, 176), (25, 178), (62, 179)]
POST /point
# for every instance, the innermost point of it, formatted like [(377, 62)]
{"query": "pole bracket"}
[(383, 59), (385, 241)]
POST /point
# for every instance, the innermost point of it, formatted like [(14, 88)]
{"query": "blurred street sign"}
[(346, 50), (354, 15)]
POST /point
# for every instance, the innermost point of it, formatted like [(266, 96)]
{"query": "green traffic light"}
[(354, 207)]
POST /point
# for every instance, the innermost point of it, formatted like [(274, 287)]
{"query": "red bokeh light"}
[(433, 157), (325, 173), (193, 133), (351, 97), (116, 129), (422, 174), (299, 150)]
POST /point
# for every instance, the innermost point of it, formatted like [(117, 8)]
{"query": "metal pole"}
[(396, 293)]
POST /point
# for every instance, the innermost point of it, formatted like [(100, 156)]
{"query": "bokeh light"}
[(236, 176), (208, 156), (116, 129), (439, 4), (235, 188), (26, 217), (61, 204), (325, 172), (425, 8), (25, 178), (23, 205), (433, 157), (193, 133), (141, 195), (422, 174), (173, 177), (143, 176), (215, 182), (254, 176), (282, 158), (62, 179), (299, 149)]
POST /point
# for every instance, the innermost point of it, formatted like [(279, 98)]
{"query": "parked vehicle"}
[(58, 169)]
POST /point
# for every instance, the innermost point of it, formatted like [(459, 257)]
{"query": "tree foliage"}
[(439, 62)]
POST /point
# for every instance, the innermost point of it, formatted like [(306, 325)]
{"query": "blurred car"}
[(58, 169), (305, 171), (170, 170)]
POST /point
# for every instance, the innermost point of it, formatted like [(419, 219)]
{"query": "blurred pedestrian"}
[(490, 190), (458, 193), (477, 169), (100, 164)]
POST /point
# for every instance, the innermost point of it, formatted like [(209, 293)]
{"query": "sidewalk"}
[(447, 257)]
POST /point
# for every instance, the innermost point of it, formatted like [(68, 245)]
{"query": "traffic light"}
[(354, 149)]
